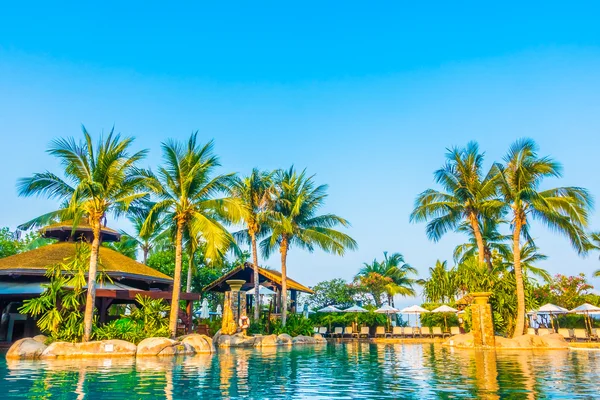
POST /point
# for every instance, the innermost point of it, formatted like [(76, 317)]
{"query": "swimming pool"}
[(335, 371)]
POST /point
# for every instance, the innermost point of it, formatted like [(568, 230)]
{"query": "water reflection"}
[(353, 370)]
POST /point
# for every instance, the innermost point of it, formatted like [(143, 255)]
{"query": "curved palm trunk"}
[(88, 316), (520, 322), (174, 315), (478, 238), (283, 248), (256, 278), (145, 250)]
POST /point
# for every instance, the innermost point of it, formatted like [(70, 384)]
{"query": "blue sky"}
[(366, 97)]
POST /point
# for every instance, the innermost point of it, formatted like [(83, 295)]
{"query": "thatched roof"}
[(244, 272), (63, 230), (115, 264)]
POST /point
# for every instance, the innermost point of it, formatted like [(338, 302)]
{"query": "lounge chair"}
[(565, 333), (436, 331), (364, 332), (323, 331), (594, 334), (580, 334), (454, 330), (380, 332), (416, 331), (316, 329), (531, 331), (338, 331), (349, 332), (397, 331)]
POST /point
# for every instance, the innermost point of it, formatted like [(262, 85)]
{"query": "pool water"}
[(335, 371)]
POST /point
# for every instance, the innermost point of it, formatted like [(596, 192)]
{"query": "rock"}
[(103, 348), (265, 341), (26, 349), (163, 347), (284, 339), (200, 343), (40, 338), (241, 340), (319, 338), (552, 341), (300, 339), (223, 341)]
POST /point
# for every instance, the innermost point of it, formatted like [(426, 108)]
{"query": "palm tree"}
[(153, 235), (494, 242), (255, 193), (467, 196), (529, 256), (397, 270), (185, 191), (294, 222), (98, 180), (441, 286), (564, 209), (595, 239)]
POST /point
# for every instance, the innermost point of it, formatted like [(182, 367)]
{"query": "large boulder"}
[(300, 339), (265, 341), (319, 338), (163, 347), (103, 348), (40, 338), (26, 349), (552, 341), (284, 339), (200, 343), (237, 340), (462, 340)]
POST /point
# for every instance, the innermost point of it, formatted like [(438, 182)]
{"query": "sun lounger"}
[(316, 329), (397, 331), (416, 331), (565, 333), (337, 332), (580, 334), (594, 335), (380, 332), (349, 332), (323, 331), (531, 331), (364, 332), (436, 331), (454, 330)]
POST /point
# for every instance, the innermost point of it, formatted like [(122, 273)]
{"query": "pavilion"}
[(22, 277), (266, 277)]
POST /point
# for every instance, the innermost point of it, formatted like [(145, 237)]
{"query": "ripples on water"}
[(336, 371)]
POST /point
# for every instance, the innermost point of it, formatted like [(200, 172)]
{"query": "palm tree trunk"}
[(478, 237), (520, 322), (283, 248), (189, 274), (145, 250), (174, 315), (256, 278), (88, 316)]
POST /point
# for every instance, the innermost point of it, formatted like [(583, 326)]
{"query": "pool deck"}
[(387, 340)]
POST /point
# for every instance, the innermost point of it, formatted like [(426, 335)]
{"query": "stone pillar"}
[(234, 307), (482, 325)]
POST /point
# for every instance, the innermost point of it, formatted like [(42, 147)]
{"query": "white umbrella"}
[(355, 309), (219, 310), (329, 309), (204, 312), (445, 309), (387, 309), (265, 291), (552, 310), (416, 310), (586, 309)]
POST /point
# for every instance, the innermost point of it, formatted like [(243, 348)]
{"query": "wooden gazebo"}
[(268, 278)]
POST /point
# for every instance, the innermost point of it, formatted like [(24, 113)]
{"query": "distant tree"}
[(9, 244), (441, 286), (336, 292)]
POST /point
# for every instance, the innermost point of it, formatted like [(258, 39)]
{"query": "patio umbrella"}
[(445, 309), (586, 309), (355, 309), (329, 309), (416, 310), (263, 291), (552, 310), (389, 310), (204, 312)]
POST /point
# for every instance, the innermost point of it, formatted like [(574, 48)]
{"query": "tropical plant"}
[(99, 180), (58, 308), (375, 284), (494, 242), (255, 193), (564, 209), (186, 193), (394, 268), (128, 246), (294, 222), (468, 196), (336, 292), (441, 285), (595, 238)]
